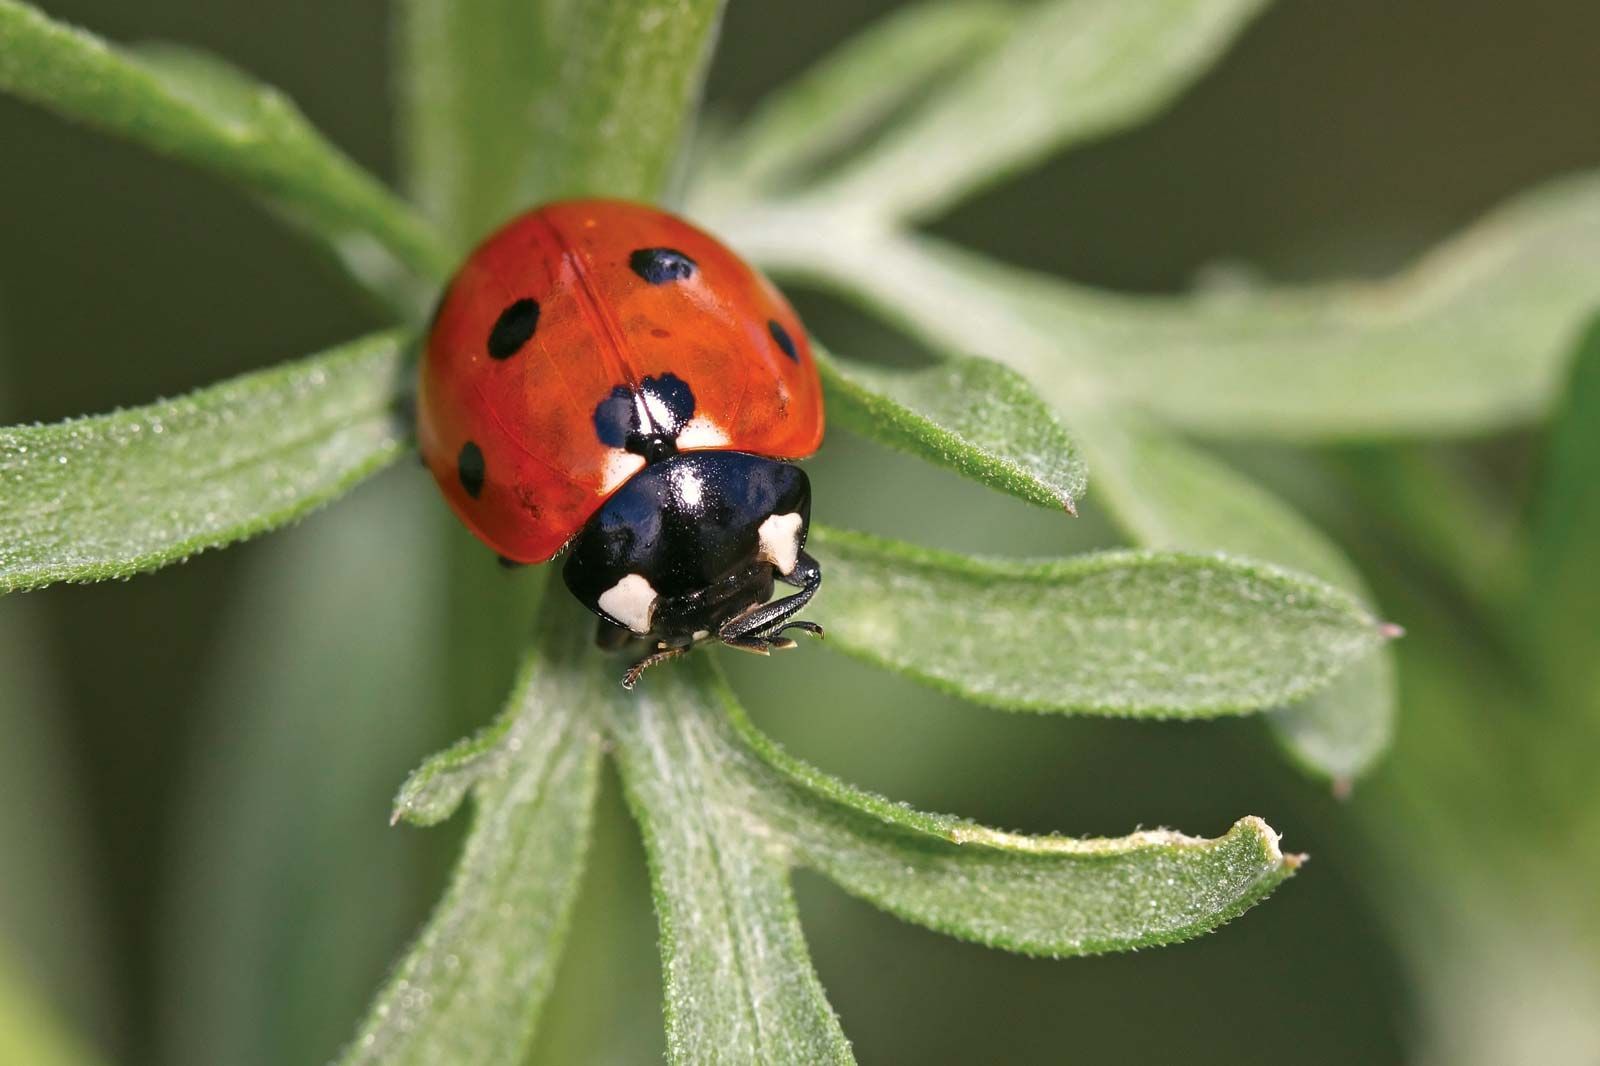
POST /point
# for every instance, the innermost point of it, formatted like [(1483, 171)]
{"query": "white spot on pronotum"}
[(780, 541), (630, 601), (701, 634), (700, 432), (620, 466), (690, 488)]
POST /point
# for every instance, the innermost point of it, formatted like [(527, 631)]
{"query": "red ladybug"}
[(605, 377)]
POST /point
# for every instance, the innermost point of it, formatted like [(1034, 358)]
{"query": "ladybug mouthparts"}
[(690, 549)]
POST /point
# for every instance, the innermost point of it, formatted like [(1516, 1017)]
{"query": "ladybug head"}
[(690, 547)]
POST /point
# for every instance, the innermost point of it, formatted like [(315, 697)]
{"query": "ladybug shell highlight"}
[(587, 338)]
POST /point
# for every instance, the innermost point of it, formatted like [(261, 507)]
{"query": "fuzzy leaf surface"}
[(973, 416), (740, 986), (1164, 493), (470, 988), (118, 494), (1041, 895), (1167, 494), (199, 110), (1120, 633)]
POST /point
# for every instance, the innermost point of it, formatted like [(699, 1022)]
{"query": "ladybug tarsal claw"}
[(634, 672)]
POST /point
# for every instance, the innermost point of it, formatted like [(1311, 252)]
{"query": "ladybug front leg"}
[(631, 678), (761, 630)]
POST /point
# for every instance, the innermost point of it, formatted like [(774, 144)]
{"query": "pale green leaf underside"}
[(118, 494), (972, 416), (470, 988), (1474, 337), (853, 89), (199, 110), (1122, 633), (1070, 70), (1163, 492)]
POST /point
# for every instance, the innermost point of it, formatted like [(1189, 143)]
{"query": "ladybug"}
[(602, 377)]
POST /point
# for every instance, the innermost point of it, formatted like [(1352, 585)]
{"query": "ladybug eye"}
[(661, 265)]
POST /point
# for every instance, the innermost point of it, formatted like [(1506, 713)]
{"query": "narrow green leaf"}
[(507, 103), (1562, 606), (854, 88), (1071, 70), (613, 114), (199, 110), (118, 494), (324, 685), (1121, 633), (470, 75), (1474, 337), (740, 987), (1039, 895), (1165, 494), (973, 416), (1168, 495), (1049, 895), (470, 988)]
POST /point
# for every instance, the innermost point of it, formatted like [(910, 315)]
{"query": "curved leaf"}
[(852, 89), (1070, 71), (739, 982), (1168, 495), (470, 988), (973, 416), (1123, 633), (198, 109), (117, 494), (1165, 494), (1474, 337), (1052, 895)]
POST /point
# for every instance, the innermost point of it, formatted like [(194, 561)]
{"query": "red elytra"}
[(555, 311)]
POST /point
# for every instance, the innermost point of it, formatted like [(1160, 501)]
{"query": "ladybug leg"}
[(507, 563), (631, 678), (762, 629), (608, 636)]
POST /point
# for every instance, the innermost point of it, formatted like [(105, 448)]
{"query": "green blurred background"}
[(195, 767)]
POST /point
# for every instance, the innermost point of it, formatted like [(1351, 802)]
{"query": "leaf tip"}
[(1342, 787), (1070, 506), (1293, 860), (1391, 630)]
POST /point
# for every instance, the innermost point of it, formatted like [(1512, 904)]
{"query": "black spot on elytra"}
[(469, 468), (669, 406), (661, 265), (513, 329), (785, 341)]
